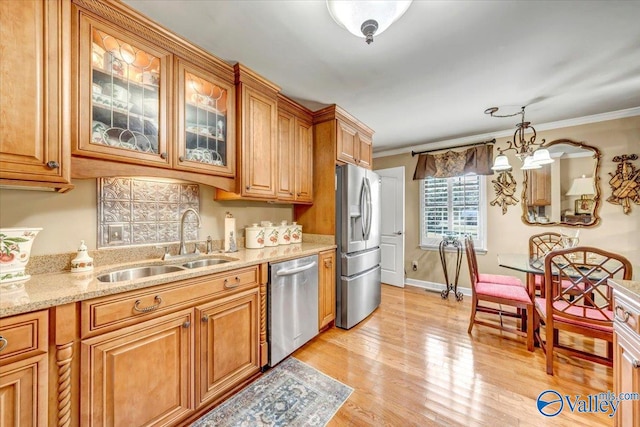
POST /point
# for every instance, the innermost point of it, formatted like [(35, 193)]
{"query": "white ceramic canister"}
[(284, 233), (270, 234), (296, 232), (254, 237)]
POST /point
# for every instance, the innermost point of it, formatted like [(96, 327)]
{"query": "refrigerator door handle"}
[(367, 188), (363, 215)]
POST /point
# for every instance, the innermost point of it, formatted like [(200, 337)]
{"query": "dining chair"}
[(540, 245), (579, 300), (503, 291)]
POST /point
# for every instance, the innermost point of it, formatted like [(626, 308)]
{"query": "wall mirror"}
[(567, 191)]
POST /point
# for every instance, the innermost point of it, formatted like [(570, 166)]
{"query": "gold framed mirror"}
[(567, 191)]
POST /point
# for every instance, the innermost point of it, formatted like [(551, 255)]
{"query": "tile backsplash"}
[(136, 211)]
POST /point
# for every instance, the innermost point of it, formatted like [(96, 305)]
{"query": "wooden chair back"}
[(472, 261), (543, 243), (576, 284)]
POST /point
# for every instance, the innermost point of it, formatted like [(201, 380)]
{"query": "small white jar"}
[(270, 234), (284, 233), (254, 237), (296, 233), (82, 262)]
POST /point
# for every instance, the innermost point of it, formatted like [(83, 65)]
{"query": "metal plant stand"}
[(451, 287)]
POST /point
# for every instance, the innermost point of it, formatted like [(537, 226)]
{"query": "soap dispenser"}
[(82, 262)]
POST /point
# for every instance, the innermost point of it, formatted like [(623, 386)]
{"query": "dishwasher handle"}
[(295, 270)]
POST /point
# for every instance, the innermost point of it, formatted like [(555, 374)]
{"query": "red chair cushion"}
[(538, 280), (515, 293), (499, 279), (587, 312)]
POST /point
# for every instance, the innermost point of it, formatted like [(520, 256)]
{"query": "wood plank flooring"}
[(412, 363)]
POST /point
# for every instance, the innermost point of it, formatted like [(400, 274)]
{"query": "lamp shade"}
[(542, 157), (582, 186), (352, 14), (501, 163), (530, 164)]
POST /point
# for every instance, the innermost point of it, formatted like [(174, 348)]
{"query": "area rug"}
[(291, 394)]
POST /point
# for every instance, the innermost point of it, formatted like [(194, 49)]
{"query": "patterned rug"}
[(291, 394)]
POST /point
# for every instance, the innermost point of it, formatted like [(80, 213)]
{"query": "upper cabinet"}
[(352, 138), (257, 134), (295, 152), (34, 107), (146, 102)]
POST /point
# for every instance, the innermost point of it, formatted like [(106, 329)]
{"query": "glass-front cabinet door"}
[(123, 87), (205, 125)]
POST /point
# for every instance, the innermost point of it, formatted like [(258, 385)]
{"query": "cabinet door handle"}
[(3, 343), (52, 164), (186, 324), (181, 158), (328, 263), (136, 306), (227, 285), (205, 318), (636, 363), (163, 155), (625, 314)]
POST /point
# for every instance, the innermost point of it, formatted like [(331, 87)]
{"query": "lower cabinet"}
[(23, 370), (326, 288), (228, 344), (140, 375)]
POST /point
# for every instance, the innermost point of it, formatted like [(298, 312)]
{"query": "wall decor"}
[(136, 211), (505, 188), (625, 183)]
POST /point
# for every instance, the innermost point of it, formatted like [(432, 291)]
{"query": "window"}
[(452, 205)]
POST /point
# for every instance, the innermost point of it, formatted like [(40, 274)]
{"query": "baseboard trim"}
[(433, 286)]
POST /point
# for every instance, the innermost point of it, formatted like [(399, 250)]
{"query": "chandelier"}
[(366, 18), (526, 151)]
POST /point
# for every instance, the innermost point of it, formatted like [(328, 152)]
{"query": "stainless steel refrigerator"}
[(358, 213)]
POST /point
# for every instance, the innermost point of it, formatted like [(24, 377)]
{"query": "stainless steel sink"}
[(205, 262), (138, 273)]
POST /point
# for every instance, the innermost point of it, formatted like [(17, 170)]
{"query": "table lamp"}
[(583, 187)]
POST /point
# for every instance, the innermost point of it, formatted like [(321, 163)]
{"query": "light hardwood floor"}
[(412, 363)]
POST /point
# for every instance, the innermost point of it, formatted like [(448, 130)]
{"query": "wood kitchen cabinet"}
[(539, 186), (257, 136), (24, 369), (626, 359), (326, 288), (228, 346), (295, 152), (34, 94), (338, 138), (145, 102), (140, 375)]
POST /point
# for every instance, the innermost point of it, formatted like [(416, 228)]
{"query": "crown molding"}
[(453, 143)]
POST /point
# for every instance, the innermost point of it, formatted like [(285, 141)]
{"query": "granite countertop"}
[(51, 289), (629, 287)]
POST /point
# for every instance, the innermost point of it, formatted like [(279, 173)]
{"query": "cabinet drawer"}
[(116, 311), (23, 336), (627, 312)]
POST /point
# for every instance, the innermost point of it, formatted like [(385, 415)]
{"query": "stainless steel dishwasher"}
[(292, 305)]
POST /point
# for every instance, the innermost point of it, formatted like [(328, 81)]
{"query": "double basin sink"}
[(154, 270)]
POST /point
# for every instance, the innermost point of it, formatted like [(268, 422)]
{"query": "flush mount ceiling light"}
[(366, 18), (525, 149)]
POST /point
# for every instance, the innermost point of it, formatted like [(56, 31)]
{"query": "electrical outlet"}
[(414, 265), (114, 234)]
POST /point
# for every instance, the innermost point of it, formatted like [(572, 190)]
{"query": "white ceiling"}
[(431, 75)]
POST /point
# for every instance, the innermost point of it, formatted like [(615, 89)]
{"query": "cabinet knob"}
[(636, 363), (205, 318), (163, 155), (181, 158), (186, 324), (291, 193), (299, 194), (248, 187), (328, 263), (136, 305), (52, 164), (3, 343)]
